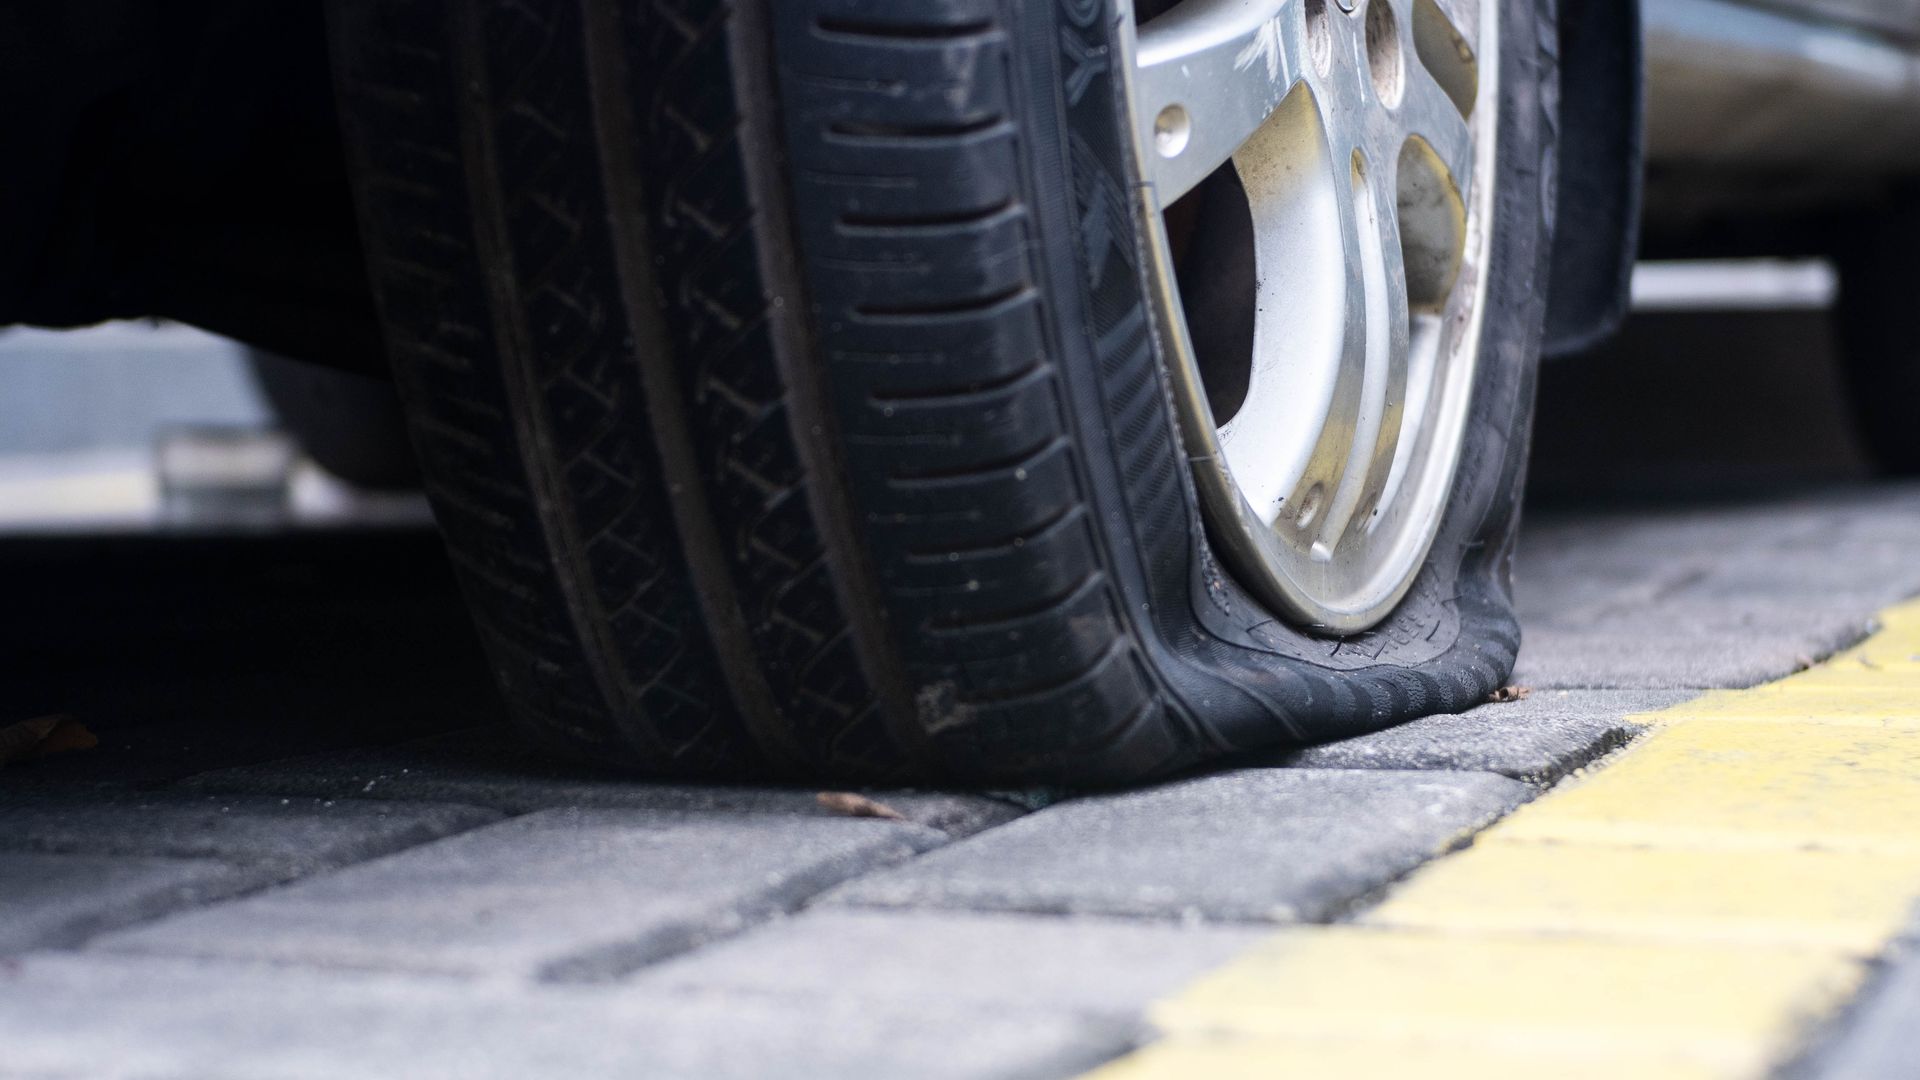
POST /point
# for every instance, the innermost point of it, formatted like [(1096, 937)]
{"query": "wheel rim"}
[(1356, 129)]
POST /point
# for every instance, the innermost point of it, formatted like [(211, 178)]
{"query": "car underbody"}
[(182, 161)]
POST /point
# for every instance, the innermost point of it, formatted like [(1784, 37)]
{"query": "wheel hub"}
[(1356, 129)]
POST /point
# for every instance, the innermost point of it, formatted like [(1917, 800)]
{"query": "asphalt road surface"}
[(305, 847)]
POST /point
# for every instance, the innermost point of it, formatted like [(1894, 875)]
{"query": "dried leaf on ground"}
[(29, 738), (67, 736), (854, 804)]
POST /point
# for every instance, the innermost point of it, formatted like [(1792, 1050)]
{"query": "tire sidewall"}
[(1463, 590), (1245, 678)]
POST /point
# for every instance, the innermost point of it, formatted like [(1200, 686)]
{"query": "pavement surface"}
[(306, 846)]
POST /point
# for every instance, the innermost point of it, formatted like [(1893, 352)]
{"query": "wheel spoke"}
[(1461, 18), (1388, 345), (1317, 494), (1355, 128), (1208, 74), (1430, 115)]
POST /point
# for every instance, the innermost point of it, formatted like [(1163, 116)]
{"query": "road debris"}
[(854, 804), (39, 736)]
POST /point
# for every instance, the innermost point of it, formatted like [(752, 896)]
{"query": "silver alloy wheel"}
[(1356, 128)]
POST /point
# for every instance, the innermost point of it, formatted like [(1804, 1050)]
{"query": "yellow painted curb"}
[(1690, 907)]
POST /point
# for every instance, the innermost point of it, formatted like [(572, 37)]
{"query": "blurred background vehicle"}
[(1791, 129), (140, 426)]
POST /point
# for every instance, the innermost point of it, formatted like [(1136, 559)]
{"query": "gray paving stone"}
[(1733, 601), (1572, 560), (564, 894), (1855, 577), (1878, 1040), (1539, 738), (57, 900), (1698, 612), (92, 1017), (1656, 659), (1255, 845), (489, 767), (1585, 585), (289, 836), (1710, 597), (1033, 963)]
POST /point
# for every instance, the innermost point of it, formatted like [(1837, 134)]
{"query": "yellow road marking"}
[(1690, 908), (1837, 901), (1742, 784), (1254, 1059), (1694, 1003)]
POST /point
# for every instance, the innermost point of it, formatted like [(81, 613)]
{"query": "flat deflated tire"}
[(802, 388)]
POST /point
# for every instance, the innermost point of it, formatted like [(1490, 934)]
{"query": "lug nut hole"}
[(1172, 130), (1319, 37), (1383, 51)]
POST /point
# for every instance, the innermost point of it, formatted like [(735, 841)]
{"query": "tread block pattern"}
[(703, 225), (481, 205), (610, 513), (919, 250)]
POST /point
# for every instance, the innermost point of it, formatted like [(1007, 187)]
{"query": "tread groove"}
[(966, 305), (903, 31)]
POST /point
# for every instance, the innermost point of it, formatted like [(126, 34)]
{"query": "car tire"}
[(787, 387)]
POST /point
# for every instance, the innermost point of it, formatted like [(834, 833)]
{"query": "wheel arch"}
[(1598, 187)]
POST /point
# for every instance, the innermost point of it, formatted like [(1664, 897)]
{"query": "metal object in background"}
[(1356, 131), (1793, 128), (237, 476), (134, 426), (1895, 18), (1735, 285)]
